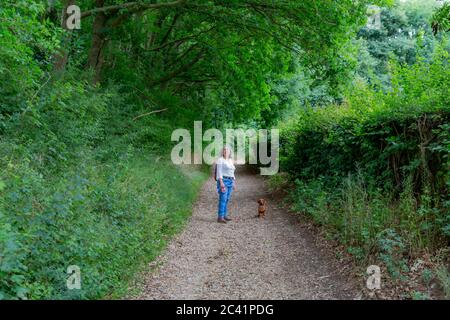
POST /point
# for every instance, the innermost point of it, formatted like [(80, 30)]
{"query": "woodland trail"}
[(275, 258)]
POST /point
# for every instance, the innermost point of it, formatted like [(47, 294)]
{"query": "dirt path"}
[(275, 258)]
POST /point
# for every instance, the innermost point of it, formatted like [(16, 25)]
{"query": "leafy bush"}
[(374, 169), (83, 184), (106, 217), (24, 54)]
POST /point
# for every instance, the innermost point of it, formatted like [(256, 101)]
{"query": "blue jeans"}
[(224, 197)]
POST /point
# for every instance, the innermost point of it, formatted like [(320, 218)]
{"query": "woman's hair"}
[(227, 147)]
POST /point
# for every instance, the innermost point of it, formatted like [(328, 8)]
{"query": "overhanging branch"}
[(178, 71), (132, 5)]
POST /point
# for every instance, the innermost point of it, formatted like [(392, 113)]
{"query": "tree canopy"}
[(86, 117)]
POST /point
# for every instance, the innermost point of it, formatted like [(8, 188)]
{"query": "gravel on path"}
[(247, 258)]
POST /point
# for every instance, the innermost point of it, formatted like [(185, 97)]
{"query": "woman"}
[(226, 182)]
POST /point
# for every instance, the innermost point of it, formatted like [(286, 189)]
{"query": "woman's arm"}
[(220, 175), (234, 180), (222, 185)]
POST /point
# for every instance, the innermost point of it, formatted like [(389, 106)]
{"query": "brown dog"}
[(262, 208)]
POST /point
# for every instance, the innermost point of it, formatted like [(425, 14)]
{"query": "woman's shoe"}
[(227, 219), (221, 220)]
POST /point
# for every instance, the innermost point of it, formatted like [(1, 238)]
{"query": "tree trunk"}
[(95, 58), (157, 29)]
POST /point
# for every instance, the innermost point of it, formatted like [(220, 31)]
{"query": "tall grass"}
[(83, 184), (107, 218), (375, 170)]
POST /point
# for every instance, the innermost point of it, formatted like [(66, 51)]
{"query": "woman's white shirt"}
[(225, 168)]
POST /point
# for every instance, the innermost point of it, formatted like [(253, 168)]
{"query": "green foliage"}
[(24, 53), (224, 58), (396, 123), (443, 275), (81, 183), (106, 217), (415, 295), (404, 33), (392, 249), (12, 265), (84, 175), (374, 169), (441, 18)]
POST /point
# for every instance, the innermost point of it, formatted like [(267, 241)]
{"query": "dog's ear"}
[(259, 201), (263, 201)]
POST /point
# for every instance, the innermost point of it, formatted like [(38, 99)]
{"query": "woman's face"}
[(226, 153)]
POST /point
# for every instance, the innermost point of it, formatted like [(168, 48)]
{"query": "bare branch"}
[(149, 113)]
